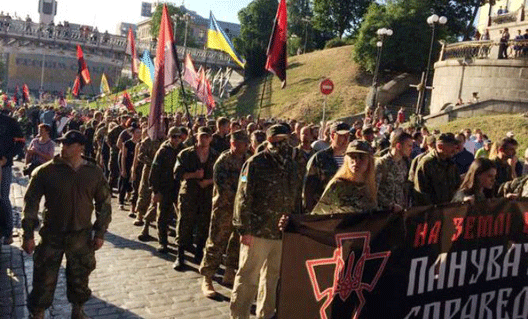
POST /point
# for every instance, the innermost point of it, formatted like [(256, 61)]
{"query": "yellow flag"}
[(104, 87)]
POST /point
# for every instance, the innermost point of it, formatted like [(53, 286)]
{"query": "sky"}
[(107, 14)]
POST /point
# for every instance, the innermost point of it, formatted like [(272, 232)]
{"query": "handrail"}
[(104, 41), (482, 49)]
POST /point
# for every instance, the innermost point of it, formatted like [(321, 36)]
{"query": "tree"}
[(256, 23), (339, 16), (176, 14)]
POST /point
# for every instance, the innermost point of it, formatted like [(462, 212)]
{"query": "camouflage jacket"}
[(267, 189), (220, 144), (391, 177), (320, 170), (225, 177), (70, 197), (435, 181), (160, 178), (342, 196), (188, 162), (113, 136), (147, 150), (414, 164), (517, 186)]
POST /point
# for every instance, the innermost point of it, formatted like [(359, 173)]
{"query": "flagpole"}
[(184, 98), (262, 97)]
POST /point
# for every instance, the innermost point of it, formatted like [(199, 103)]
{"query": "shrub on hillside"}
[(334, 43)]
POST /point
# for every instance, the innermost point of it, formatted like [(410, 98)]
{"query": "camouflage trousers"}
[(165, 213), (113, 167), (221, 236), (80, 262), (144, 199), (194, 212)]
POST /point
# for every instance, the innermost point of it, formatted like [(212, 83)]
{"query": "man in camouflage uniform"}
[(518, 186), (437, 179), (163, 185), (66, 229), (268, 188), (220, 142), (225, 178), (111, 141), (194, 168), (391, 173), (323, 165), (146, 152)]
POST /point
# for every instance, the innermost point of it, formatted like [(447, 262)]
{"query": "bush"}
[(334, 43)]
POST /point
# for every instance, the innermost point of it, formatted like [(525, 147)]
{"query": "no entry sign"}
[(327, 86)]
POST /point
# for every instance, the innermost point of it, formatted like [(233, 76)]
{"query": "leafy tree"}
[(339, 16), (122, 83), (176, 13), (256, 23)]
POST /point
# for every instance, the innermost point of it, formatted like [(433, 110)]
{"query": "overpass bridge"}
[(38, 54)]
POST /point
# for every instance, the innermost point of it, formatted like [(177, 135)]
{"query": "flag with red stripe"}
[(277, 56), (127, 101), (204, 93), (131, 49), (83, 75), (25, 94)]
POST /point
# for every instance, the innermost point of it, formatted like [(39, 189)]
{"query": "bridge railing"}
[(84, 36), (515, 49)]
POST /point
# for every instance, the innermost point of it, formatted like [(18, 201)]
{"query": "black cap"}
[(239, 136), (448, 138), (278, 130), (340, 128), (359, 146), (72, 136), (204, 130)]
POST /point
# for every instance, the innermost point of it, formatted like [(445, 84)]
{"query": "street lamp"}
[(382, 33), (306, 21), (432, 20)]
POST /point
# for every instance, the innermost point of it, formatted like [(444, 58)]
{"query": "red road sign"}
[(327, 86)]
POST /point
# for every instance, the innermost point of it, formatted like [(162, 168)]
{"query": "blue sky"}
[(106, 14)]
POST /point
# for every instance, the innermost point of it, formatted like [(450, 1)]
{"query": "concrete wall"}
[(505, 80)]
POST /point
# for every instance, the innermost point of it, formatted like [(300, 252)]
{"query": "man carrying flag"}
[(131, 49), (218, 40), (83, 76), (104, 87), (277, 49)]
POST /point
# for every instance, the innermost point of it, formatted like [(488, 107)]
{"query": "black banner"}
[(454, 261)]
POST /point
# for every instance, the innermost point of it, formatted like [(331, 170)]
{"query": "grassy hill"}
[(495, 126), (301, 99)]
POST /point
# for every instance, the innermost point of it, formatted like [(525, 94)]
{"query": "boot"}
[(163, 249), (207, 287), (179, 264), (78, 312), (144, 236), (229, 276), (37, 314)]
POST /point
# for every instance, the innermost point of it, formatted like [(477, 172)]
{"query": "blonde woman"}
[(353, 188)]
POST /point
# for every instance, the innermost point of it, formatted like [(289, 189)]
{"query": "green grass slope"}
[(495, 126), (301, 99)]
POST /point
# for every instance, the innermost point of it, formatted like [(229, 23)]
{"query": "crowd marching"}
[(228, 185)]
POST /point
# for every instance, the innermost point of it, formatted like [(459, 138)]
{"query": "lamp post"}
[(187, 17), (432, 20), (306, 21), (382, 33)]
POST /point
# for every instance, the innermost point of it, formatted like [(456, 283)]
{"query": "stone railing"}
[(62, 35), (512, 17), (517, 49)]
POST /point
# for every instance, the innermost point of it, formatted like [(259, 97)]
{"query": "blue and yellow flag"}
[(104, 87), (218, 40), (146, 69)]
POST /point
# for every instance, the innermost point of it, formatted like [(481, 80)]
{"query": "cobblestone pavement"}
[(132, 280)]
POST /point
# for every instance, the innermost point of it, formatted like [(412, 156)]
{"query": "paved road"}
[(132, 280)]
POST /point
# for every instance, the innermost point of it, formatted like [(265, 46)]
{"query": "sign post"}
[(326, 87)]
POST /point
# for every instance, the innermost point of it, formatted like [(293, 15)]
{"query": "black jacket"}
[(11, 138)]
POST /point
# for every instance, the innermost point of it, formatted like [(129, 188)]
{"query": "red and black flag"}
[(83, 75), (131, 49), (127, 101), (15, 96), (25, 94), (277, 55), (165, 74)]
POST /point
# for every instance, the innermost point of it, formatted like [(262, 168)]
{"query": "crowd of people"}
[(228, 185)]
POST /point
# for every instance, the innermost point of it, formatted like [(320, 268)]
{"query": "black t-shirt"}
[(130, 147)]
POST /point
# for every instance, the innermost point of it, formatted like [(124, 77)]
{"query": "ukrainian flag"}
[(146, 69), (218, 40)]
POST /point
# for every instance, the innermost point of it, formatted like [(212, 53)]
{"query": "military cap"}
[(239, 136), (447, 138), (204, 130), (72, 136), (175, 131), (430, 139), (340, 128), (359, 146), (278, 130)]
